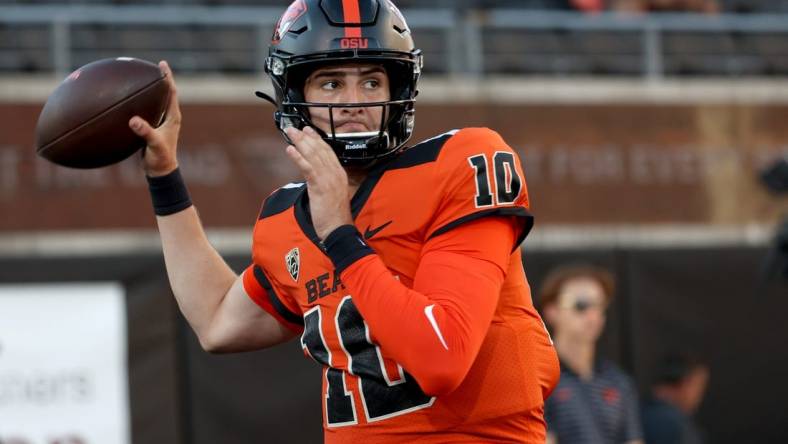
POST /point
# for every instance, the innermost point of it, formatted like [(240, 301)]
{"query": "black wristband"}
[(168, 193), (344, 246)]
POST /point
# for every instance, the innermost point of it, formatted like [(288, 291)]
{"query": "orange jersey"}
[(433, 338)]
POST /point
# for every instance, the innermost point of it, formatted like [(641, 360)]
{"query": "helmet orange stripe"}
[(352, 15)]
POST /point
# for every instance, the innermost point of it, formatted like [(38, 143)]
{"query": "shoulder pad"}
[(423, 152), (281, 199)]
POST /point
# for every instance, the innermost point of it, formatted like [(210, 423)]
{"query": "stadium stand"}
[(749, 38)]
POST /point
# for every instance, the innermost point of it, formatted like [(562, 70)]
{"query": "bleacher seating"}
[(205, 47)]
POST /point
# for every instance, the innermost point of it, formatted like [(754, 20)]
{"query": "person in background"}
[(580, 5), (676, 393), (700, 6), (591, 6), (595, 401)]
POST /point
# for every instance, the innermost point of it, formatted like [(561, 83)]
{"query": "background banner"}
[(584, 164), (63, 373)]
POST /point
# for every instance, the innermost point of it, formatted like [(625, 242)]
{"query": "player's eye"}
[(330, 85), (371, 84)]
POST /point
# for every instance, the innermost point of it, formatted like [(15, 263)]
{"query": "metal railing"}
[(61, 21), (456, 41), (651, 28)]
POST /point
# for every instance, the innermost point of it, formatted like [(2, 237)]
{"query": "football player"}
[(398, 267)]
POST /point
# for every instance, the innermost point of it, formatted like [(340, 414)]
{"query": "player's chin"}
[(353, 128)]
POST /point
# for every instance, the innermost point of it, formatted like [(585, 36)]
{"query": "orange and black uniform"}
[(422, 318)]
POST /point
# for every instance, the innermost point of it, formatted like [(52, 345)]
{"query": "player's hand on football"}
[(326, 180), (159, 157)]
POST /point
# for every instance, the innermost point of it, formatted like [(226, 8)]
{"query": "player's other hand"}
[(159, 157), (326, 180)]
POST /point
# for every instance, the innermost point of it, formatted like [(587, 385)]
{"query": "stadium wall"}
[(694, 158)]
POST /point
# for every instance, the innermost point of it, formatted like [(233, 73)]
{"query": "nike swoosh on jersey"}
[(431, 317), (368, 233)]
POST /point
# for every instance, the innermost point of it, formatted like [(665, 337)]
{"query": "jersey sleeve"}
[(449, 308), (260, 290), (479, 175)]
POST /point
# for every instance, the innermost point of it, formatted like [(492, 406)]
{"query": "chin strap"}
[(265, 97)]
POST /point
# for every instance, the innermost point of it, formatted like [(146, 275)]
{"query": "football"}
[(85, 121)]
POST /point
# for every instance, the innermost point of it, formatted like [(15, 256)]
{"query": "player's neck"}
[(355, 178)]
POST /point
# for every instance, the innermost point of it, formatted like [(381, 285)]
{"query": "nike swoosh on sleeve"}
[(430, 317)]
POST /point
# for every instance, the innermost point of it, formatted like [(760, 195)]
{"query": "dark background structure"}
[(712, 300)]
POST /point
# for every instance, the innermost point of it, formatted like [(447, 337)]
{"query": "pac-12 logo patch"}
[(293, 262)]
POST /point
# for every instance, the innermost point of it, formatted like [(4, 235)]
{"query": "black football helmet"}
[(315, 33)]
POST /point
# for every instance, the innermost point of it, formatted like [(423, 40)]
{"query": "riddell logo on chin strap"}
[(354, 43)]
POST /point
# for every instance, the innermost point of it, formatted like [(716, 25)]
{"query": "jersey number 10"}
[(507, 182)]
